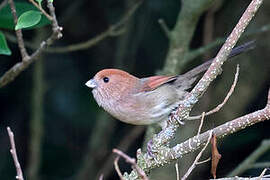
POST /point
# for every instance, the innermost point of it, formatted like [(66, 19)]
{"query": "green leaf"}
[(39, 2), (28, 19), (6, 18), (4, 49)]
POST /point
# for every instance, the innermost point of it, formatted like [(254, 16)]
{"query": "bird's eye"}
[(106, 79)]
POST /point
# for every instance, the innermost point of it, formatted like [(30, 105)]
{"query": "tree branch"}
[(124, 145), (166, 154), (113, 30), (165, 28), (3, 4), (250, 160), (197, 158), (182, 33), (14, 155), (182, 113), (194, 53), (41, 9), (177, 171), (18, 32), (117, 169), (131, 161), (264, 177), (14, 71), (36, 126), (260, 165)]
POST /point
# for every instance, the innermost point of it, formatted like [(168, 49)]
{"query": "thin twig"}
[(262, 174), (117, 169), (268, 100), (217, 108), (260, 165), (14, 155), (201, 123), (197, 158), (131, 161), (124, 144), (165, 28), (41, 9), (18, 32), (101, 177), (55, 27), (265, 177), (177, 171), (204, 161), (251, 159)]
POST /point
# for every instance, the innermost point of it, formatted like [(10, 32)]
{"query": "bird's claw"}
[(176, 117), (150, 150)]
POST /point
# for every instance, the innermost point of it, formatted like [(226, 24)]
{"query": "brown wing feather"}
[(154, 82)]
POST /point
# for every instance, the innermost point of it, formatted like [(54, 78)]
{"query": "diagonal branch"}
[(169, 154), (41, 9), (131, 161), (165, 154), (117, 169), (215, 69), (250, 160), (14, 71), (182, 113)]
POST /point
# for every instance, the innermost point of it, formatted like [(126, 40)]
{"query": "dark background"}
[(75, 136)]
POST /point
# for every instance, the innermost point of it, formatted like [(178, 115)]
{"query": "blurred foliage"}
[(70, 113), (4, 49)]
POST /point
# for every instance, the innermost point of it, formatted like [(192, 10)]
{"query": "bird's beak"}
[(91, 83)]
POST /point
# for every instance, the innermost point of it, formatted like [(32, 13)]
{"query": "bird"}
[(147, 100)]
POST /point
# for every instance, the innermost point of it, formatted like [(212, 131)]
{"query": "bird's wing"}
[(153, 82)]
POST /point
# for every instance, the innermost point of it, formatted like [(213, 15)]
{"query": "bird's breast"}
[(141, 108)]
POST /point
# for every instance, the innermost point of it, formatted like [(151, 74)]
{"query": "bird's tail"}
[(186, 80), (235, 51)]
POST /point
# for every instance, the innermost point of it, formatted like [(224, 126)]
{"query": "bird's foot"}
[(174, 116), (151, 150)]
